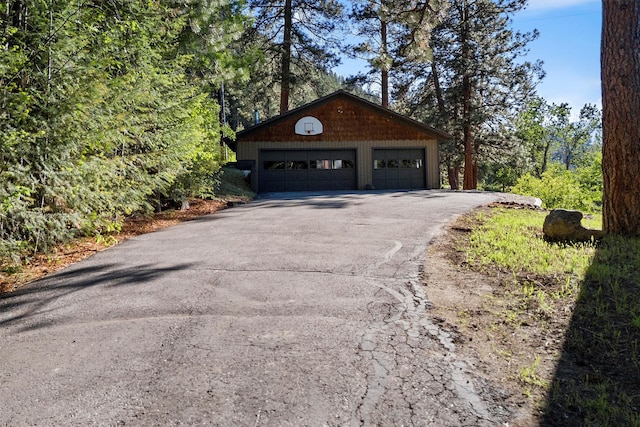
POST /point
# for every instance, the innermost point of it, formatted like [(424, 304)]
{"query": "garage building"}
[(340, 142)]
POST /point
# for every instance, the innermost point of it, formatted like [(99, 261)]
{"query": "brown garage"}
[(341, 142)]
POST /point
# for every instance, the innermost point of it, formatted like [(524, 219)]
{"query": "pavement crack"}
[(413, 358)]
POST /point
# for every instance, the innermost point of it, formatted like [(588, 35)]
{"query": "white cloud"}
[(544, 5)]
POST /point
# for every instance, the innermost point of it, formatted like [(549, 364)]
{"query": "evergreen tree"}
[(259, 97), (297, 37), (100, 116), (392, 32), (212, 39), (475, 82)]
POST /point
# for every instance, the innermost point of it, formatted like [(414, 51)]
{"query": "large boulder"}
[(562, 225)]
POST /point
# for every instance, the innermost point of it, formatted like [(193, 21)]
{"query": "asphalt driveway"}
[(291, 310)]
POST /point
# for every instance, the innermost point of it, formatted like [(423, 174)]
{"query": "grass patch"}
[(598, 379), (595, 380), (512, 240)]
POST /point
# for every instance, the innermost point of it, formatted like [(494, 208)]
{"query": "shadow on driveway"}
[(38, 297), (336, 199)]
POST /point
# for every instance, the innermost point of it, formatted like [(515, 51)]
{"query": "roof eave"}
[(441, 135)]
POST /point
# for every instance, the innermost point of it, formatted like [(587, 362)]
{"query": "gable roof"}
[(384, 113)]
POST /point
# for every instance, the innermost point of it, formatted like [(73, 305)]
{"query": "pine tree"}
[(475, 82), (393, 32), (101, 114), (298, 36), (621, 109)]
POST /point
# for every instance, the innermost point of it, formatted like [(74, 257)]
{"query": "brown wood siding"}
[(249, 150), (343, 120)]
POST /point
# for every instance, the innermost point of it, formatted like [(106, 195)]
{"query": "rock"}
[(563, 225)]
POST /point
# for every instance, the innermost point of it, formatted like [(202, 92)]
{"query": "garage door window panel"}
[(297, 165), (300, 170), (403, 169), (273, 165), (343, 164), (324, 164)]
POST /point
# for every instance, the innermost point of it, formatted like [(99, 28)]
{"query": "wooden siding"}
[(343, 119), (249, 150)]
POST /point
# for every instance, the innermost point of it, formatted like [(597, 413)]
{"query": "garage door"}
[(399, 169), (307, 170)]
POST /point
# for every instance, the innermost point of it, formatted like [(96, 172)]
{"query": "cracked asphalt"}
[(292, 310)]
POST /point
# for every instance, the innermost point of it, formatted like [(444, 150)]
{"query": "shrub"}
[(560, 188)]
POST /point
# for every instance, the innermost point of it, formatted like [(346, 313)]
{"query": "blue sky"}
[(569, 46)]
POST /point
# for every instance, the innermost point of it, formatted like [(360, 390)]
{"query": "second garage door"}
[(307, 170), (395, 169)]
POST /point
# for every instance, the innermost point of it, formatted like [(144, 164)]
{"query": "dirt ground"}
[(466, 302), (515, 355)]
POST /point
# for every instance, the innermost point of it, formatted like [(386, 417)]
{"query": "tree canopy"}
[(106, 110)]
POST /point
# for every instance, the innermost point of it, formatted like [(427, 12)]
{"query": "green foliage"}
[(231, 182), (561, 188), (296, 39), (534, 133), (512, 241), (103, 112), (389, 33), (576, 140), (473, 84), (262, 92), (546, 132), (502, 170)]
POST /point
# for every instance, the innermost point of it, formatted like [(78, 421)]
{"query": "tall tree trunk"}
[(545, 158), (223, 122), (470, 180), (453, 176), (18, 12), (453, 171), (285, 82), (385, 71), (620, 64), (438, 89)]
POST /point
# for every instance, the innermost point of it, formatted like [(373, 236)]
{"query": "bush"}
[(560, 188)]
